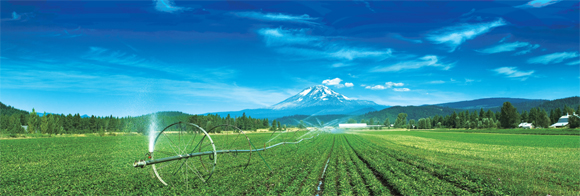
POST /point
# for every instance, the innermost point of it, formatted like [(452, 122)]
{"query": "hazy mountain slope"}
[(413, 112), (316, 100), (9, 110), (490, 103)]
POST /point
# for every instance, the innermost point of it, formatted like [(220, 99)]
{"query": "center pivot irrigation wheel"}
[(232, 140), (180, 139)]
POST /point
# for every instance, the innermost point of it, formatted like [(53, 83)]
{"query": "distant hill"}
[(413, 112), (572, 102), (9, 110), (417, 112), (492, 103), (316, 100)]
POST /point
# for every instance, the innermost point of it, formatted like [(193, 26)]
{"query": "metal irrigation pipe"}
[(143, 163)]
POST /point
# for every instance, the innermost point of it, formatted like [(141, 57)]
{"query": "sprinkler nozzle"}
[(140, 163)]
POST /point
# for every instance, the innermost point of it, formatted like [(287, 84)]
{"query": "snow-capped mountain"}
[(319, 96), (315, 100)]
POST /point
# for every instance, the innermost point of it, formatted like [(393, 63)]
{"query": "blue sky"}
[(137, 57)]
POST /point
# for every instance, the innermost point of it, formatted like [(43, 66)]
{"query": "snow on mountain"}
[(315, 101), (318, 96)]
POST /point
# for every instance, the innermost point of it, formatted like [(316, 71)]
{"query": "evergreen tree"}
[(525, 116), (533, 116), (542, 120), (279, 127), (93, 126), (509, 117), (482, 114), (76, 123), (44, 123), (489, 114), (573, 121), (454, 120), (387, 123), (112, 123), (32, 121), (266, 122), (558, 114), (4, 121), (473, 116)]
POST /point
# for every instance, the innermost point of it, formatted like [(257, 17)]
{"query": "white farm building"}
[(526, 125), (563, 121), (353, 125)]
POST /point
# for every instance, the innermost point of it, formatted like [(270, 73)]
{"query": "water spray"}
[(184, 150)]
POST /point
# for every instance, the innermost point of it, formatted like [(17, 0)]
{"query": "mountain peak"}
[(321, 92), (318, 95)]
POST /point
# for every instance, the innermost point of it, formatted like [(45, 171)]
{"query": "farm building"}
[(563, 121), (357, 125), (526, 125), (353, 125)]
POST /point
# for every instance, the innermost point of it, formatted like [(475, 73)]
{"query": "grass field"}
[(359, 163)]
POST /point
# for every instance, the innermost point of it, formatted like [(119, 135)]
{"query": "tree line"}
[(507, 117), (75, 124)]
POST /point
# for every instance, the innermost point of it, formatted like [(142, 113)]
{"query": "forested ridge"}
[(44, 123)]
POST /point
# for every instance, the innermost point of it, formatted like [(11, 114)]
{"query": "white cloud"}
[(285, 37), (391, 84), (305, 18), (505, 47), (336, 83), (557, 57), (538, 3), (401, 89), (425, 61), (528, 50), (513, 72), (168, 6), (577, 62), (376, 87), (456, 35), (468, 80), (437, 82), (340, 65), (352, 53), (298, 42), (383, 87)]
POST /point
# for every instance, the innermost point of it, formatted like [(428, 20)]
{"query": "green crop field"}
[(359, 163)]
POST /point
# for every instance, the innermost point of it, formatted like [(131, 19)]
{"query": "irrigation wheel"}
[(179, 139), (229, 137)]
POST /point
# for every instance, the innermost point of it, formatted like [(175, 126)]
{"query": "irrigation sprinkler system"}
[(183, 150)]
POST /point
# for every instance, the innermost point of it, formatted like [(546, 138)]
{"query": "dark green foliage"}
[(413, 112), (401, 121), (509, 116), (491, 103), (573, 121), (387, 123), (9, 110)]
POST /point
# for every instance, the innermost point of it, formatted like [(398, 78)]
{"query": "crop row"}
[(409, 174)]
